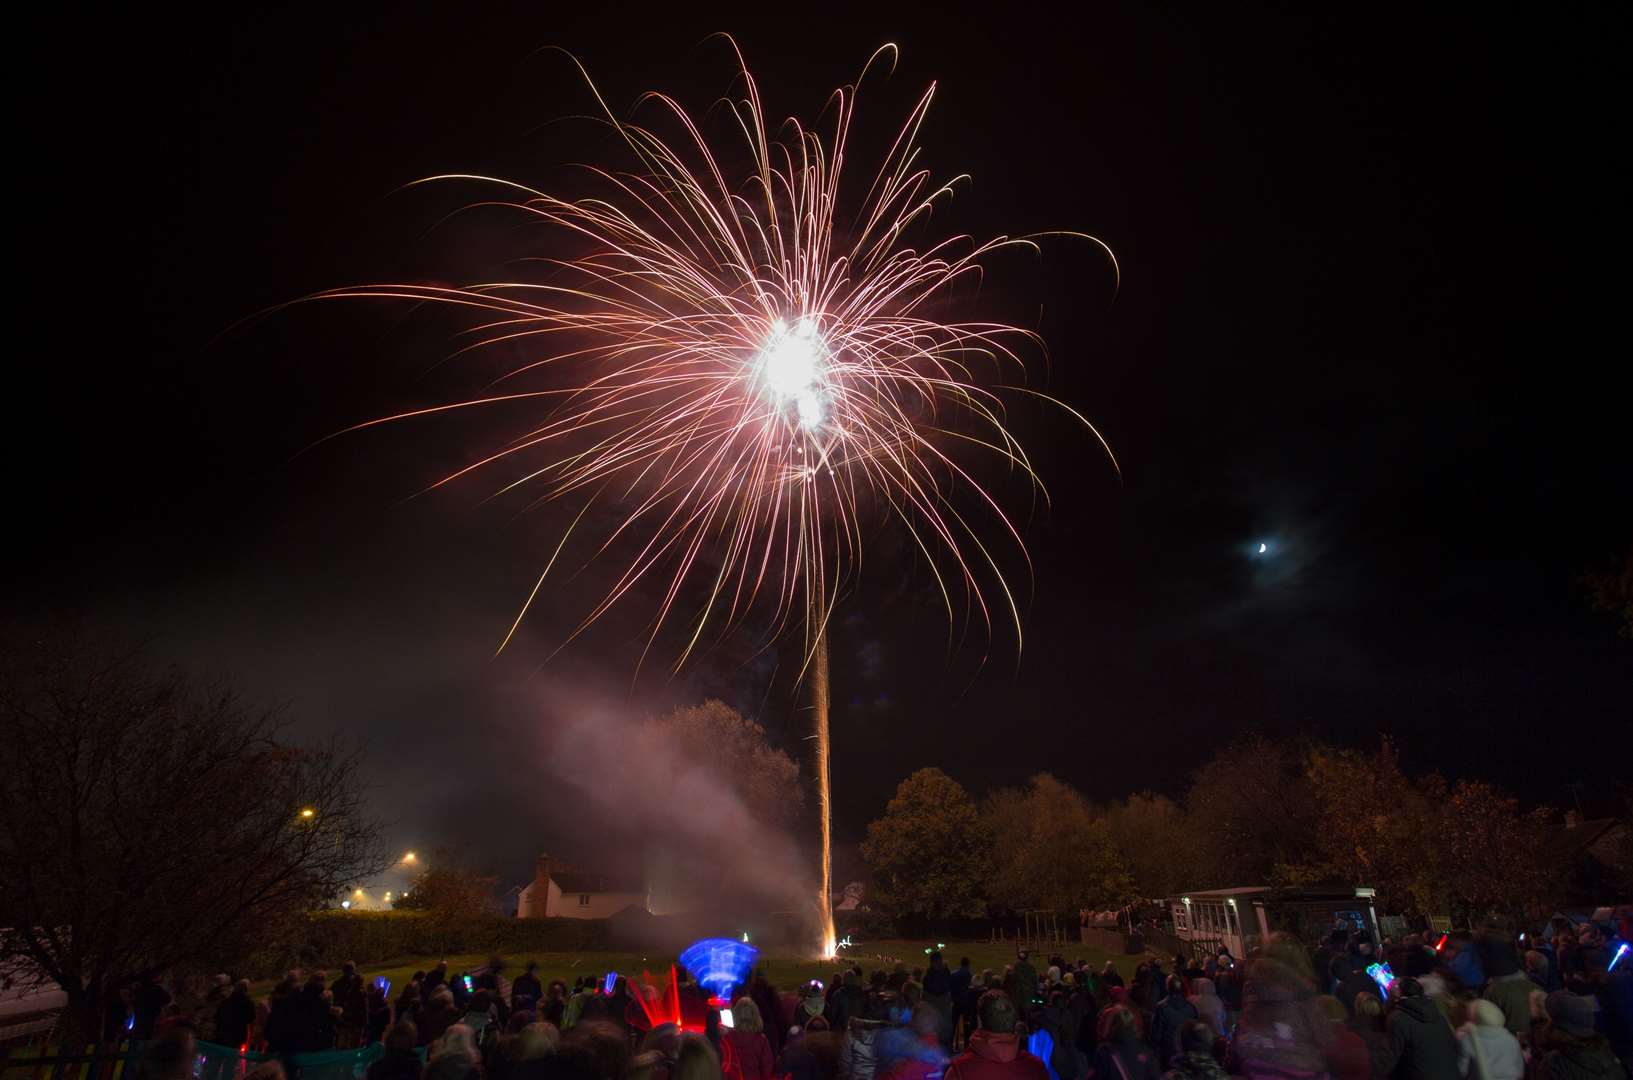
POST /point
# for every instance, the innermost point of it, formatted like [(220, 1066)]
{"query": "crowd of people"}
[(1468, 1006)]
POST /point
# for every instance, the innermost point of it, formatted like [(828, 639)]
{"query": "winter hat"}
[(1486, 1013), (1571, 1013), (813, 1003)]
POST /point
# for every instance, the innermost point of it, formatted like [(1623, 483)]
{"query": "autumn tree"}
[(1156, 839), (717, 738), (447, 887), (1050, 852), (147, 822), (1251, 805), (928, 854), (1610, 589), (1375, 826), (1492, 858)]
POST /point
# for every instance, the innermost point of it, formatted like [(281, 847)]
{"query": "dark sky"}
[(1366, 318)]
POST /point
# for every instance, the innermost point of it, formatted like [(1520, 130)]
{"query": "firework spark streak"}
[(741, 360)]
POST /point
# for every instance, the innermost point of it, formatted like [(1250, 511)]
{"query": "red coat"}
[(995, 1057), (750, 1056)]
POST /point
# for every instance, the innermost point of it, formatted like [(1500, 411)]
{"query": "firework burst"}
[(753, 355)]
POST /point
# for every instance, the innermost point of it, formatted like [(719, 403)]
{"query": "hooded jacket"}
[(994, 1056), (1210, 1008), (1422, 1042)]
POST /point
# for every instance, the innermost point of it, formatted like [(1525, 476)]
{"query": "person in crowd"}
[(1282, 1032), (811, 1005), (1539, 970), (695, 1060), (1367, 1022), (1228, 981), (1026, 982), (377, 1016), (597, 1050), (438, 1016), (1194, 1058), (555, 1004), (958, 988), (347, 994), (772, 1019), (1568, 1045), (1210, 1008), (437, 976), (408, 1004), (480, 1015), (1507, 985), (400, 1060), (1591, 956), (1110, 976), (117, 1017), (529, 1054), (995, 1051), (1420, 1040), (914, 1052), (1347, 1055), (938, 993), (812, 1053), (454, 1056), (235, 1016), (1119, 1052), (750, 1053), (847, 1002), (1173, 1012), (169, 1057), (1486, 1048), (526, 990), (1347, 981), (859, 1049), (147, 1003)]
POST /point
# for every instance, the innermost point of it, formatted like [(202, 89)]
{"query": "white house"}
[(565, 893)]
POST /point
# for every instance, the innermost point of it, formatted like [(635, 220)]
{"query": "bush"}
[(368, 937)]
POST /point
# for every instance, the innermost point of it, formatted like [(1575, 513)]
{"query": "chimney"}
[(541, 874)]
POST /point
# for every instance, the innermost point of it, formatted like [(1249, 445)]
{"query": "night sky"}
[(1367, 318)]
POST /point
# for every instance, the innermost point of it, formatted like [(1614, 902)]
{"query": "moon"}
[(1263, 548)]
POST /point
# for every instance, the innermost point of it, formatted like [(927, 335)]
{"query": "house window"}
[(1181, 922), (584, 899)]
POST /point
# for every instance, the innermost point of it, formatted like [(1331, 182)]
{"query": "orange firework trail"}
[(749, 355)]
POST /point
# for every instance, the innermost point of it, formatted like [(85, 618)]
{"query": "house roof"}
[(1575, 838), (580, 881)]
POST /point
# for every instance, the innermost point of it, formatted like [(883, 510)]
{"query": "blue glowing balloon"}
[(718, 964)]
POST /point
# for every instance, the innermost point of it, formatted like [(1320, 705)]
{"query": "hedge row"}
[(332, 937)]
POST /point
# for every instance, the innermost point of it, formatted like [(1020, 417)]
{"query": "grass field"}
[(784, 967)]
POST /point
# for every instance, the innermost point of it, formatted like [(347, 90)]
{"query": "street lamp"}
[(308, 813), (410, 857)]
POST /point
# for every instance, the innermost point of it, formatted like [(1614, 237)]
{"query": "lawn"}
[(784, 967)]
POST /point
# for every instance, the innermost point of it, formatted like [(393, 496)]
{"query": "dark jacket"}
[(233, 1019), (1571, 1058), (1170, 1015), (1125, 1059), (396, 1065), (1421, 1041), (525, 991), (847, 1001), (1193, 1066)]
